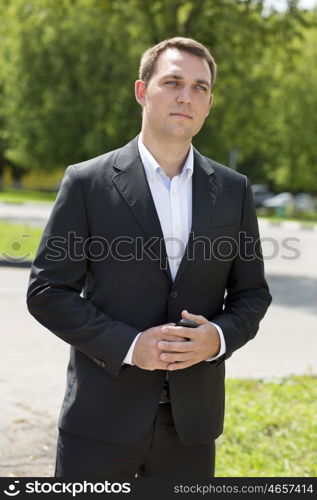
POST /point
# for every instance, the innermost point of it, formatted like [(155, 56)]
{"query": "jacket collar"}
[(130, 180)]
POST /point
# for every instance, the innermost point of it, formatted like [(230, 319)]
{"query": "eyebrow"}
[(178, 77)]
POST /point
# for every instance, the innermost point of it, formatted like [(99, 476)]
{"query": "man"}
[(139, 238)]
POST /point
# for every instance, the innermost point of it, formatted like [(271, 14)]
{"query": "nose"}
[(183, 96)]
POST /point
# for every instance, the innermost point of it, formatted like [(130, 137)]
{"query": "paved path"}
[(287, 341), (33, 365), (34, 213)]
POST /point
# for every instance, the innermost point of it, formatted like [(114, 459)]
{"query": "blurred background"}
[(67, 72)]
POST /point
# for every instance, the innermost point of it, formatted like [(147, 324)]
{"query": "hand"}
[(203, 343), (146, 354)]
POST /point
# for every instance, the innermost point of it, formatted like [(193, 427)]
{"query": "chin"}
[(180, 132)]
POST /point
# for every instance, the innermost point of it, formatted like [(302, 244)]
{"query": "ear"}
[(210, 103), (140, 90)]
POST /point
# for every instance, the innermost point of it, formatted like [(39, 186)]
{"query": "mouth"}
[(182, 115)]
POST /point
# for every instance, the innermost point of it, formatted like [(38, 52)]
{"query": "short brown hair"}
[(151, 55)]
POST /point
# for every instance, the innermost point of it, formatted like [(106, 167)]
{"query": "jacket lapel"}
[(131, 182), (204, 197)]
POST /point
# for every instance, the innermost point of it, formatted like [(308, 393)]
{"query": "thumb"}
[(200, 320)]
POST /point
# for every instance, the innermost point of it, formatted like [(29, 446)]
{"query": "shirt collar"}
[(151, 166)]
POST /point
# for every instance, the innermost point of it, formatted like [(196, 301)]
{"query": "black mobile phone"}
[(188, 323)]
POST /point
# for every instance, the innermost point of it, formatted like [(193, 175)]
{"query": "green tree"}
[(296, 101), (66, 81), (67, 71)]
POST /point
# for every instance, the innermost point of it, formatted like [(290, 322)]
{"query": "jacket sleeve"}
[(57, 279), (248, 295)]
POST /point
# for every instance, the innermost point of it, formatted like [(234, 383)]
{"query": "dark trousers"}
[(159, 454)]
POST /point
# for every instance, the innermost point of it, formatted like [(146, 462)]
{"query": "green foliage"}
[(270, 428), (63, 90), (21, 196), (67, 71)]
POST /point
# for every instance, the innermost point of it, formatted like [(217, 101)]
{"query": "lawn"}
[(24, 195), (270, 429), (18, 242)]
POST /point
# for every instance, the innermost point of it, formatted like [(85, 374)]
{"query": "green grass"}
[(270, 429), (18, 241), (24, 195)]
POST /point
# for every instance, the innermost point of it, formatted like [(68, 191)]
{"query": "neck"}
[(169, 155)]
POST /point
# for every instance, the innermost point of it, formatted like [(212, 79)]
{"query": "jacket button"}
[(174, 294)]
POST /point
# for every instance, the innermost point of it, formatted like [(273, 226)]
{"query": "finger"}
[(173, 338), (155, 365), (169, 357), (186, 334), (170, 330), (181, 365), (175, 346), (167, 324), (161, 365), (198, 318), (179, 331)]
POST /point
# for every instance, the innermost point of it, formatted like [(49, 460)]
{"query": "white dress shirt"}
[(173, 202)]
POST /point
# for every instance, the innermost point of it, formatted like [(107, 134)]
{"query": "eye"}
[(171, 82), (201, 87)]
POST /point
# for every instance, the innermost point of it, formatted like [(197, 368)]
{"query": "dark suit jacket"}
[(101, 276)]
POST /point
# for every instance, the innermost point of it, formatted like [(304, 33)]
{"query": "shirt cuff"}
[(222, 343), (128, 359)]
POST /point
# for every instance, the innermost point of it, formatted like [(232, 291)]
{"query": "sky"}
[(280, 4), (308, 4)]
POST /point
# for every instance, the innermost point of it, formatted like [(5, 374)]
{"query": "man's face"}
[(177, 99)]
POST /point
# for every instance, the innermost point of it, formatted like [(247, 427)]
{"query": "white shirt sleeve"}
[(222, 343), (128, 359)]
